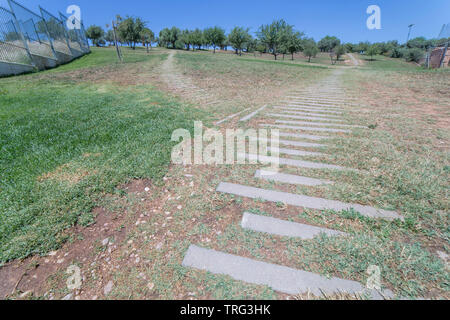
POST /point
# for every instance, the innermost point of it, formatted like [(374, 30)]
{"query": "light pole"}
[(409, 32)]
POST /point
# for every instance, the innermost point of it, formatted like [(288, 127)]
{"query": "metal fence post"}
[(441, 65)]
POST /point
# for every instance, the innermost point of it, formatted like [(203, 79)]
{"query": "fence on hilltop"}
[(30, 41)]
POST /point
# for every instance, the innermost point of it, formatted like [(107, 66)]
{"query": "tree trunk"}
[(292, 56)]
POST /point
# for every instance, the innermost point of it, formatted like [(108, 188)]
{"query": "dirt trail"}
[(354, 60), (181, 84)]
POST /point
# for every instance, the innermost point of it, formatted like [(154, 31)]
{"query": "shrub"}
[(396, 53), (413, 55)]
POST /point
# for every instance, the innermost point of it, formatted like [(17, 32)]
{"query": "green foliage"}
[(413, 54), (396, 53), (421, 43), (110, 37), (372, 51), (310, 49), (340, 51), (197, 38), (130, 30), (214, 37), (363, 46), (186, 39), (293, 41), (274, 35), (239, 38), (169, 37), (95, 33), (147, 37), (328, 44)]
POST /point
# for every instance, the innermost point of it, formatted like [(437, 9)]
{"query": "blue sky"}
[(345, 19)]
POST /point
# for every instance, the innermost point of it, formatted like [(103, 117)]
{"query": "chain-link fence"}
[(34, 31), (438, 56), (57, 32), (74, 37), (12, 47), (29, 40)]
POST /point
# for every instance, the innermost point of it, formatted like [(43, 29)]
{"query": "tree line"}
[(277, 38)]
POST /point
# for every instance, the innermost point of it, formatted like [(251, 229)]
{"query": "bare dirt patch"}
[(89, 248)]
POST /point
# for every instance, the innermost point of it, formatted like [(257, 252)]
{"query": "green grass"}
[(101, 57), (380, 62), (50, 127), (284, 63)]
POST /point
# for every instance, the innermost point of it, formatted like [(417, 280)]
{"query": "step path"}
[(291, 116), (310, 114), (302, 136), (304, 201), (322, 102), (294, 143), (289, 178), (231, 117), (320, 124), (280, 278), (304, 128), (308, 110), (251, 115), (294, 152), (291, 162), (312, 104), (284, 228)]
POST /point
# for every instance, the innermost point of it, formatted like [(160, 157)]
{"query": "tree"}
[(339, 51), (170, 36), (327, 44), (363, 47), (419, 42), (350, 47), (310, 49), (130, 30), (95, 34), (147, 37), (260, 47), (110, 37), (186, 39), (293, 42), (273, 35), (214, 36), (414, 54), (372, 51), (396, 53), (238, 38), (197, 38)]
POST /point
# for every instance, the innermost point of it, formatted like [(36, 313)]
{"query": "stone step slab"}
[(305, 201), (279, 278)]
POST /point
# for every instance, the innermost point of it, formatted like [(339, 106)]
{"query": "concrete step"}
[(320, 124), (279, 278), (304, 201), (294, 152), (304, 128), (291, 162), (289, 178), (284, 228)]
